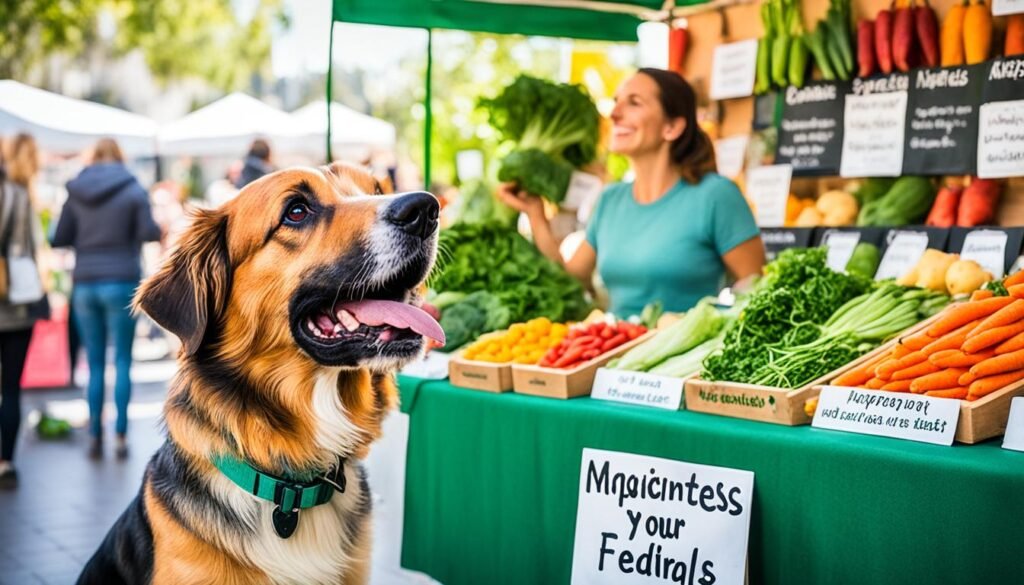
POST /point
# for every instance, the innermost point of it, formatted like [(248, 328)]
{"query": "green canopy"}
[(608, 20)]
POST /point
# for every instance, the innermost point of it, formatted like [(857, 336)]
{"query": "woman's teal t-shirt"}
[(669, 250)]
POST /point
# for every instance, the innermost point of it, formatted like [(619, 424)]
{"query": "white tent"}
[(349, 128), (66, 125), (226, 128)]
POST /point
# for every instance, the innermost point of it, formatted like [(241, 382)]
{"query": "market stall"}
[(226, 127)]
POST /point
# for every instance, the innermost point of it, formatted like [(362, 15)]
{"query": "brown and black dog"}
[(295, 302)]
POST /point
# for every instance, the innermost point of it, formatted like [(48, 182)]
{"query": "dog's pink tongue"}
[(399, 315)]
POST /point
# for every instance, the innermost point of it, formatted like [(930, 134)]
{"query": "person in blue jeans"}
[(106, 219)]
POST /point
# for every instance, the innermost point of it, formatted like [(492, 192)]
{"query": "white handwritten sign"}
[(643, 520), (1004, 7), (873, 135), (584, 189), (732, 70), (840, 248), (730, 154), (1014, 438), (1001, 140), (768, 188), (988, 248), (898, 415), (903, 253), (433, 366), (638, 388)]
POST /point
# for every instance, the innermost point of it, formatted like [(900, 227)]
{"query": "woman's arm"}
[(745, 260), (582, 263)]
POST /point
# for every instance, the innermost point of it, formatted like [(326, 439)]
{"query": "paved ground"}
[(54, 521)]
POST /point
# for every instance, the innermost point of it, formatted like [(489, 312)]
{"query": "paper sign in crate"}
[(487, 376), (980, 419), (783, 406), (566, 383)]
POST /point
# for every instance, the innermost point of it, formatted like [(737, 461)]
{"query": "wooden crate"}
[(487, 376), (559, 383)]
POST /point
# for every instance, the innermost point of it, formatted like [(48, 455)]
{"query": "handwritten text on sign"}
[(644, 520), (1004, 7), (730, 154), (888, 414), (873, 135), (768, 189), (732, 70), (1001, 140), (903, 253), (638, 388), (987, 248), (840, 247)]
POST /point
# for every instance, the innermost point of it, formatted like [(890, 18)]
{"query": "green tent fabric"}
[(609, 20)]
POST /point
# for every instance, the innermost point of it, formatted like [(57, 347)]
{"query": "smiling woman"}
[(671, 234)]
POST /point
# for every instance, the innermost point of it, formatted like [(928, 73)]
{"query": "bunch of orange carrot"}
[(973, 349)]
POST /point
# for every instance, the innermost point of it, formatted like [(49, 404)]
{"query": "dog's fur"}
[(250, 384)]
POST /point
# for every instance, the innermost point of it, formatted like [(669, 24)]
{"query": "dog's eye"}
[(297, 212)]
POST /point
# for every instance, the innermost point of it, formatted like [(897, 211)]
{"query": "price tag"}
[(988, 248), (1000, 140), (840, 248), (732, 70), (768, 188), (888, 414), (584, 189), (730, 154), (433, 366), (1004, 7), (903, 253), (1014, 438), (942, 126), (638, 388), (469, 164), (873, 135), (811, 129)]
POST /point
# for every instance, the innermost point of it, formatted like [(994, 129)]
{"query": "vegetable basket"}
[(478, 375)]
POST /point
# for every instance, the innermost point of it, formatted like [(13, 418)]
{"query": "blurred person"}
[(223, 190), (106, 219), (256, 164), (18, 234)]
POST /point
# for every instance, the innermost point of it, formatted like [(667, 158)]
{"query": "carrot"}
[(958, 392), (999, 364), (1012, 344), (900, 351), (874, 384), (897, 386), (992, 337), (937, 381), (916, 371), (886, 370), (1014, 279), (982, 294), (1008, 315), (951, 340), (859, 375), (954, 358), (986, 386), (1016, 291), (959, 315), (917, 341)]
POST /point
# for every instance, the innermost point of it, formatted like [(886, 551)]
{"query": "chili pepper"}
[(903, 38), (927, 28), (883, 40), (865, 48)]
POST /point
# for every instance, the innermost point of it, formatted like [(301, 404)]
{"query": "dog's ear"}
[(190, 291)]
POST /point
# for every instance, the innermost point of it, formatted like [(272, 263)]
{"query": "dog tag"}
[(285, 522)]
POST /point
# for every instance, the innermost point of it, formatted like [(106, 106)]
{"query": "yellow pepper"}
[(521, 343)]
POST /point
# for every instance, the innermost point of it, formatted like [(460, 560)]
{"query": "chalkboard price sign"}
[(811, 129), (942, 120), (1001, 120)]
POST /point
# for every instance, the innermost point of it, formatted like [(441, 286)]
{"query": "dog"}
[(295, 303)]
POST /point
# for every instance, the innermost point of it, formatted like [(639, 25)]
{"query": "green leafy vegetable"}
[(478, 203), (476, 314), (554, 127)]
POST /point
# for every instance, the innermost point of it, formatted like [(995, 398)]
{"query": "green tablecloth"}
[(492, 483)]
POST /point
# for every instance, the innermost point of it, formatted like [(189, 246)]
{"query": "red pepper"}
[(883, 40), (571, 356), (903, 38), (926, 25), (591, 354), (979, 202), (614, 342)]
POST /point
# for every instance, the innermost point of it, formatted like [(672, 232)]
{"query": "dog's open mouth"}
[(373, 321)]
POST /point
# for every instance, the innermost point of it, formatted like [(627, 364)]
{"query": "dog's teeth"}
[(337, 329), (386, 335), (348, 320), (312, 326)]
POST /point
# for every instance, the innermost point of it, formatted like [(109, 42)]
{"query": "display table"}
[(492, 482)]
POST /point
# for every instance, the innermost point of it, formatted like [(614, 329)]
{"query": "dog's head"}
[(309, 264)]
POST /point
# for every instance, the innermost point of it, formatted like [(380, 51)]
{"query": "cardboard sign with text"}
[(768, 189), (898, 415), (1014, 438), (733, 69), (646, 520), (874, 122), (640, 388)]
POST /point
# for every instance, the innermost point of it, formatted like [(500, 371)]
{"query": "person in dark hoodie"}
[(106, 219), (257, 163)]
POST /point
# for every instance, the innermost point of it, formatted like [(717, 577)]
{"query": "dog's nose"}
[(415, 213)]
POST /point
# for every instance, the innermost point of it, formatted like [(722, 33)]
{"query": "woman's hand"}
[(520, 200)]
